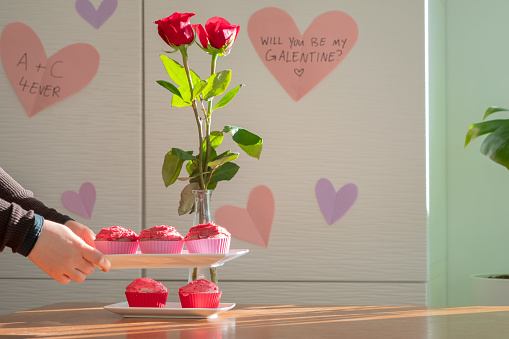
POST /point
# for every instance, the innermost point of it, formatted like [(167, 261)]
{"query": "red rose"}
[(176, 29), (218, 33)]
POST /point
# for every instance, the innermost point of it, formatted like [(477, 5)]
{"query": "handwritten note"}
[(40, 81), (300, 61)]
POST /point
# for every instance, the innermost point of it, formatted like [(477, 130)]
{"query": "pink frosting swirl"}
[(207, 231), (199, 286), (146, 285), (114, 233), (162, 232)]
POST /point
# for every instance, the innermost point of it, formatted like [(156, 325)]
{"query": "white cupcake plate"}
[(186, 259), (172, 310)]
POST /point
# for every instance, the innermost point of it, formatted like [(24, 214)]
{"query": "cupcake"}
[(146, 292), (208, 238), (161, 239), (200, 293), (116, 240)]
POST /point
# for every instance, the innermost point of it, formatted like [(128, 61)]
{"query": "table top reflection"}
[(90, 320)]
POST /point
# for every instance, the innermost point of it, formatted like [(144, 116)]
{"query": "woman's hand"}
[(64, 256), (82, 231)]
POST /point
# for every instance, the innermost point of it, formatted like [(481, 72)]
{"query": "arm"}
[(54, 248), (12, 191)]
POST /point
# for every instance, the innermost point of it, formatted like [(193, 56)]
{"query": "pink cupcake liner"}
[(221, 245), (200, 300), (116, 247), (161, 246), (138, 299)]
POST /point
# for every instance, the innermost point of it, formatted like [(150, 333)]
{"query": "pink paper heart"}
[(40, 81), (81, 203), (334, 205), (96, 17), (299, 62), (252, 224)]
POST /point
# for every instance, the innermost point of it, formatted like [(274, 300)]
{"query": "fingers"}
[(62, 278), (88, 237), (86, 267), (76, 275), (96, 258)]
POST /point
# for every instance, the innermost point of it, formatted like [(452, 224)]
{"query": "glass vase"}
[(202, 207), (202, 216)]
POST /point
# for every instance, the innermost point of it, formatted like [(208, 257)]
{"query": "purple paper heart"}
[(334, 204), (81, 203), (96, 17)]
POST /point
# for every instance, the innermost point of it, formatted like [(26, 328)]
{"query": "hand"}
[(65, 256), (82, 231)]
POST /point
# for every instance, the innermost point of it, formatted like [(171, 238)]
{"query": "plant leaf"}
[(493, 109), (224, 172), (217, 83), (228, 97), (180, 101), (481, 128), (184, 155), (175, 70), (194, 77), (198, 88), (171, 168), (224, 159), (187, 198), (191, 167), (249, 142), (170, 87), (216, 138), (496, 145)]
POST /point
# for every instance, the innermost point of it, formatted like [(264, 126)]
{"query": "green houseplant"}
[(491, 289), (496, 144)]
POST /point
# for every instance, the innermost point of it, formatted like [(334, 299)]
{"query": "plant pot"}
[(490, 289)]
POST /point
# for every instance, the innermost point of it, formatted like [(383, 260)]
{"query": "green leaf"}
[(175, 70), (493, 109), (191, 167), (184, 155), (225, 172), (227, 97), (187, 198), (481, 128), (194, 78), (170, 87), (180, 101), (496, 144), (249, 142), (223, 159), (217, 83), (216, 138), (198, 88), (171, 168)]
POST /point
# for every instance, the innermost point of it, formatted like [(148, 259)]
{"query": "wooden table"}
[(90, 320)]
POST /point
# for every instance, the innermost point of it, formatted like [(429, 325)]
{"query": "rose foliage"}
[(209, 166)]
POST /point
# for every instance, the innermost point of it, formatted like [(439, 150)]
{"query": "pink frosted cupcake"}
[(208, 238), (146, 292), (200, 293), (161, 239), (116, 240)]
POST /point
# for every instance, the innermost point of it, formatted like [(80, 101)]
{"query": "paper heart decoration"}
[(94, 17), (252, 224), (300, 61), (40, 81), (334, 204), (81, 203)]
